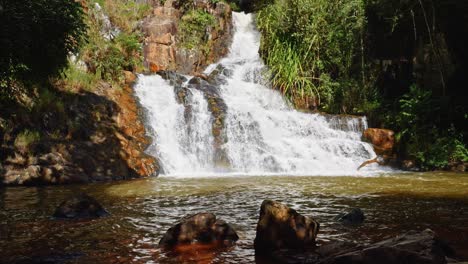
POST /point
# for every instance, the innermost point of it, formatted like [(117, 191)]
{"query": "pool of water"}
[(142, 211)]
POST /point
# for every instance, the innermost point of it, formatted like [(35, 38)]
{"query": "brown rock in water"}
[(201, 228), (80, 206), (383, 140), (280, 227)]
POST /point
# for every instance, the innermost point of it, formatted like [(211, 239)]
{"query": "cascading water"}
[(263, 134)]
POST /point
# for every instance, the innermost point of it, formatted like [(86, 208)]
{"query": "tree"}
[(36, 37)]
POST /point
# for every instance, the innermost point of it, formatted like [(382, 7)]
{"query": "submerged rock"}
[(201, 228), (354, 217), (280, 227), (80, 206)]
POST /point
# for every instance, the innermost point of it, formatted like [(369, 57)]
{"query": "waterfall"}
[(262, 134)]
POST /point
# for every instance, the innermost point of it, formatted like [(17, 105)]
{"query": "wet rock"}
[(218, 110), (219, 75), (80, 206), (174, 78), (413, 247), (458, 167), (383, 140), (201, 228), (354, 217), (409, 165), (280, 227)]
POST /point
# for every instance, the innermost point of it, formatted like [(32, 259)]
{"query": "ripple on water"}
[(142, 211)]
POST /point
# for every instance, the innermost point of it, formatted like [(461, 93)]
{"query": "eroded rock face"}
[(100, 137), (383, 140), (80, 206), (161, 48), (201, 228), (280, 227)]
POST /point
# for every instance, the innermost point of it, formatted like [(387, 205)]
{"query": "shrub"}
[(193, 28), (76, 78), (26, 138), (418, 135), (313, 48), (107, 59), (36, 37), (125, 14)]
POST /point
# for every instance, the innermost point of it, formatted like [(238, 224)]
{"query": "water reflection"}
[(142, 211)]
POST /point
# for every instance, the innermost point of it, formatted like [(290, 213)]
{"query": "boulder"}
[(280, 227), (383, 140), (354, 217), (201, 228), (80, 206), (413, 247)]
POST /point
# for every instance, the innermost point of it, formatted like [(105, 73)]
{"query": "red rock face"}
[(383, 140)]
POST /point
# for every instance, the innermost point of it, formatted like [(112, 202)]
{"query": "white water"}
[(264, 134)]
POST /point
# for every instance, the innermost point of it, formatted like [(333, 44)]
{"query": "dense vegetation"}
[(52, 53), (402, 63), (36, 38), (399, 62)]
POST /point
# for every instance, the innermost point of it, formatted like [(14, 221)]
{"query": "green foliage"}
[(107, 58), (36, 37), (48, 101), (419, 138), (76, 78), (125, 14), (415, 109), (193, 26), (234, 6), (437, 150), (26, 138), (313, 48)]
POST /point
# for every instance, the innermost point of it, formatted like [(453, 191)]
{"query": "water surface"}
[(142, 210)]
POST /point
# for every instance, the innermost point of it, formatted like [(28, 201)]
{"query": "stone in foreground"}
[(354, 217), (201, 228), (80, 206), (280, 227)]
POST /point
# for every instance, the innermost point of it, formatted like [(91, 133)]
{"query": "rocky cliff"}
[(186, 37), (81, 135)]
